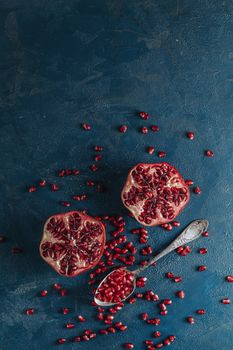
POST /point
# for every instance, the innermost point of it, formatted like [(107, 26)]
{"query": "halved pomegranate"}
[(72, 242), (155, 193)]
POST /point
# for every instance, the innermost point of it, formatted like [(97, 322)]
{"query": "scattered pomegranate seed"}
[(201, 312), (61, 341), (155, 321), (93, 167), (167, 301), (132, 300), (177, 279), (149, 342), (65, 204), (144, 316), (30, 312), (98, 148), (98, 157), (156, 334), (189, 182), (154, 128), (175, 223), (190, 320), (205, 234), (57, 286), (54, 187), (190, 135), (181, 294), (144, 115), (162, 154), (65, 310), (209, 153), (170, 275), (63, 292), (128, 346), (225, 301), (197, 190), (42, 183), (123, 129), (2, 239), (150, 150), (80, 197), (172, 338), (70, 325), (75, 172), (203, 251), (43, 293), (123, 328), (144, 130), (159, 345), (103, 331), (90, 183), (163, 312), (32, 189), (81, 318), (16, 250), (202, 268), (167, 342), (86, 127), (229, 279)]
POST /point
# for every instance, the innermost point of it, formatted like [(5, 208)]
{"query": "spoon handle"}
[(190, 233)]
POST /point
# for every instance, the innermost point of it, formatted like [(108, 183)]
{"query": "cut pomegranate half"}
[(155, 193), (72, 242)]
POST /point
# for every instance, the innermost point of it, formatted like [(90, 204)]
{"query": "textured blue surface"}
[(66, 62)]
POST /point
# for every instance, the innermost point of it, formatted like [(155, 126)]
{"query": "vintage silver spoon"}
[(190, 233)]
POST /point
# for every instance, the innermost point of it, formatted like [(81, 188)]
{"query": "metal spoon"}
[(190, 233)]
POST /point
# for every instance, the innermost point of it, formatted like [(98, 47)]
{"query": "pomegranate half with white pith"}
[(72, 242), (155, 193)]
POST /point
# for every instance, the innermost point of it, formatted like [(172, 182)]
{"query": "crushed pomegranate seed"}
[(201, 312), (30, 312), (61, 341), (128, 346), (32, 189), (144, 130), (81, 318), (161, 154), (86, 127), (144, 115), (197, 190), (189, 182), (54, 187), (43, 293), (70, 325), (209, 153), (202, 268), (154, 128), (229, 279), (123, 129), (65, 204), (93, 167), (205, 234), (225, 301), (190, 135), (190, 320), (203, 251), (150, 150), (180, 294), (156, 334)]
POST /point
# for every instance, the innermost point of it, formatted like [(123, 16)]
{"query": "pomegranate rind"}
[(146, 193), (69, 242)]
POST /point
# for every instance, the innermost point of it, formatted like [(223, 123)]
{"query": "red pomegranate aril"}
[(79, 197), (154, 128), (57, 286), (139, 295), (123, 328), (42, 183), (155, 321), (65, 310), (170, 275), (123, 129), (163, 312), (144, 316), (149, 342), (180, 294), (100, 316), (166, 342), (189, 182), (61, 173), (65, 204), (209, 153), (32, 189), (132, 300), (175, 223), (111, 330), (150, 150), (70, 325), (162, 154), (63, 292), (162, 306), (229, 278), (86, 127), (172, 338), (203, 251), (43, 293), (159, 345), (61, 341), (128, 346), (225, 301), (156, 334), (75, 172), (93, 167), (30, 311), (205, 234), (201, 312), (98, 148), (103, 331), (144, 130), (135, 231), (190, 320), (98, 157), (90, 183), (144, 115), (167, 301), (177, 279), (202, 268), (190, 135), (54, 187), (81, 318), (197, 190)]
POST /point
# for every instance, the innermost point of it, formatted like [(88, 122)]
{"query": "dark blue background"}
[(67, 62)]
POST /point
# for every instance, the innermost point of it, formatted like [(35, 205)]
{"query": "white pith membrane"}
[(155, 193)]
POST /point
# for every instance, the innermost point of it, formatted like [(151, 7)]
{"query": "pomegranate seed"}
[(202, 250), (167, 301), (150, 150), (155, 321), (63, 292), (61, 341), (30, 312), (190, 320), (123, 328), (177, 279), (166, 342), (98, 148), (98, 157), (32, 189), (123, 129), (75, 172), (128, 346), (42, 183), (70, 325), (190, 135), (65, 204), (202, 268), (132, 300), (201, 312), (229, 279), (154, 128), (86, 127), (81, 318), (144, 316), (111, 330), (43, 293), (209, 153), (159, 345), (54, 187), (80, 197), (90, 183), (57, 286), (197, 190), (162, 306), (205, 234), (2, 239), (144, 130), (181, 294), (175, 223), (225, 301), (170, 275), (16, 250), (103, 331), (93, 167), (144, 115), (156, 334), (172, 338), (65, 310), (61, 173), (162, 154), (189, 182), (163, 312), (139, 295)]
